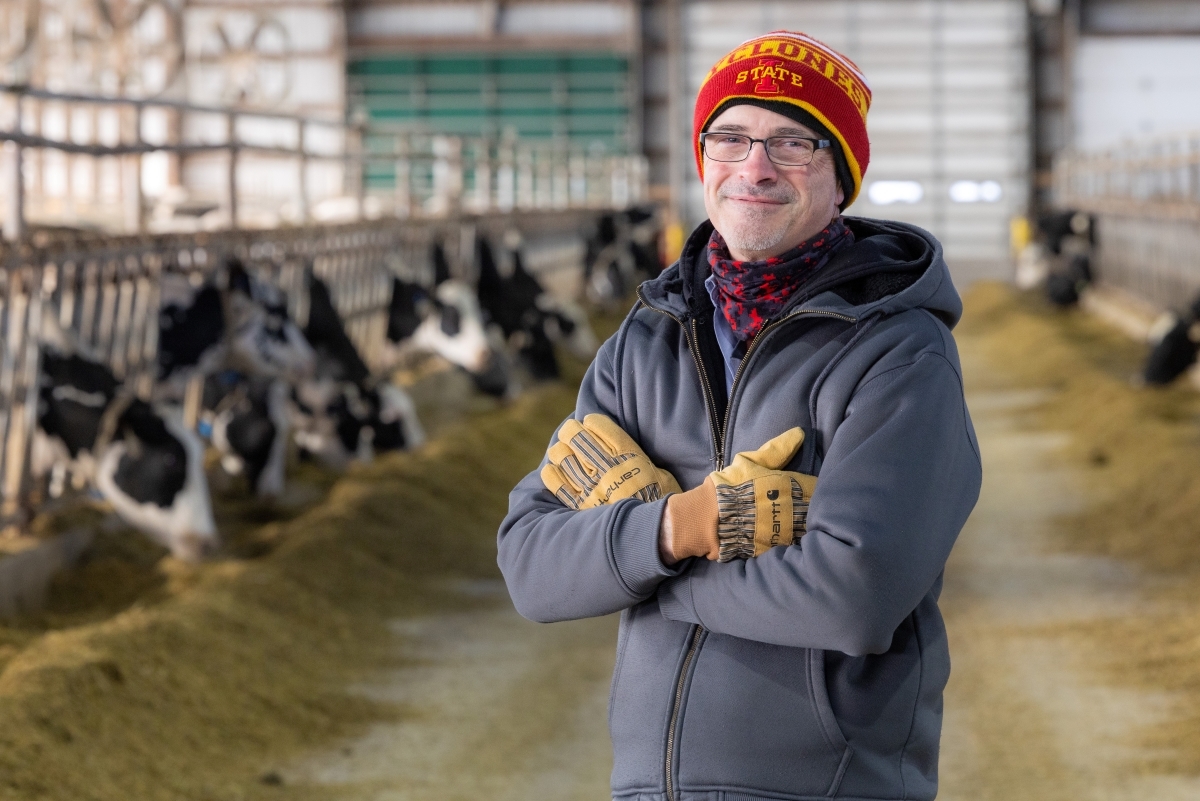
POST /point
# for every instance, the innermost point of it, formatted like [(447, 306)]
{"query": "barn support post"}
[(231, 141), (14, 179), (131, 174), (302, 153)]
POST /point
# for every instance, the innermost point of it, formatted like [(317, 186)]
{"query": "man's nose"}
[(757, 168)]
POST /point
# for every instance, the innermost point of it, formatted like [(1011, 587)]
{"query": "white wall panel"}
[(950, 90), (1134, 88)]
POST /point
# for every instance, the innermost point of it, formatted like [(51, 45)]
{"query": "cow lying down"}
[(141, 460)]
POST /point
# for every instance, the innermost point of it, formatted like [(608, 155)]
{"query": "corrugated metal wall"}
[(950, 110)]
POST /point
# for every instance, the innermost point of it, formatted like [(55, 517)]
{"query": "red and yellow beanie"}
[(799, 77)]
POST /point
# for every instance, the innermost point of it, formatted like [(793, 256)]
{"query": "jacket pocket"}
[(757, 718), (622, 641)]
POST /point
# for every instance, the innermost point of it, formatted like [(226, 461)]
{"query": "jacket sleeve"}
[(561, 564), (900, 476)]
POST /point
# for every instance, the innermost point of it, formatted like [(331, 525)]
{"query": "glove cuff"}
[(691, 522), (754, 516)]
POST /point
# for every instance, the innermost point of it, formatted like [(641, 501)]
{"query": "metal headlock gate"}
[(105, 294), (105, 289), (1147, 201)]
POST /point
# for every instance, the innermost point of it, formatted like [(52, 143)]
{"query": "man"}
[(780, 636)]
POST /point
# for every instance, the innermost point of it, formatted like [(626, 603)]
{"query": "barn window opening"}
[(885, 193)]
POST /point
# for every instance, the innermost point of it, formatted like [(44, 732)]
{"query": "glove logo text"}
[(616, 485), (776, 510)]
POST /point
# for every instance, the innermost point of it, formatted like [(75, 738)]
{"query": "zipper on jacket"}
[(746, 360), (675, 707), (710, 403), (719, 442)]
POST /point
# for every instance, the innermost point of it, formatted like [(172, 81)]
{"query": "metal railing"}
[(105, 293), (138, 165), (1147, 202), (1160, 177)]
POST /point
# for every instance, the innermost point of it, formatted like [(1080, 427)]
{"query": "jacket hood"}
[(890, 268)]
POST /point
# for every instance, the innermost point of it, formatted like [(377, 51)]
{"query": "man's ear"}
[(841, 195)]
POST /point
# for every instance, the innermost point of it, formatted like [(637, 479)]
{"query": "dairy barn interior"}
[(293, 293)]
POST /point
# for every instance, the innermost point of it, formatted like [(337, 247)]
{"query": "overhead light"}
[(884, 193), (975, 191)]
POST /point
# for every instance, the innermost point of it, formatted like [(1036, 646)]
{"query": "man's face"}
[(759, 207)]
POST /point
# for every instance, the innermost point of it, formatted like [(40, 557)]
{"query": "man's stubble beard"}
[(757, 230)]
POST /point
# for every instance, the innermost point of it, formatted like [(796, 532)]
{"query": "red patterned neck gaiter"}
[(751, 293)]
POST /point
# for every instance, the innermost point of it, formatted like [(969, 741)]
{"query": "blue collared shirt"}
[(732, 348)]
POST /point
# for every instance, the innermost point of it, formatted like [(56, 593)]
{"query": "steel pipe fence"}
[(1146, 199), (104, 294), (71, 159), (1157, 259)]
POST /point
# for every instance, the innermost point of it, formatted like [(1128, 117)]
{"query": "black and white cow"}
[(249, 421), (530, 317), (447, 321), (341, 413), (1176, 347), (143, 462), (263, 340), (622, 251), (1070, 237), (191, 327)]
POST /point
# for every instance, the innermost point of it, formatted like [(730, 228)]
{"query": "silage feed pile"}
[(148, 679), (1138, 450)]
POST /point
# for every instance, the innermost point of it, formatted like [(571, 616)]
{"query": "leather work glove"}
[(759, 505), (595, 462), (744, 510)]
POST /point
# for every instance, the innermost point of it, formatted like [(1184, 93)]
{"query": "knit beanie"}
[(799, 77)]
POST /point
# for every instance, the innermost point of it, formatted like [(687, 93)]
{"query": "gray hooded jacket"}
[(811, 671)]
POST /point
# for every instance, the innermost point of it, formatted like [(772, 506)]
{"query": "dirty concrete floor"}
[(1026, 716), (499, 708)]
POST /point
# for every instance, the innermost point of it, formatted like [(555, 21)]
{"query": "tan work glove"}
[(595, 462), (760, 506), (741, 511)]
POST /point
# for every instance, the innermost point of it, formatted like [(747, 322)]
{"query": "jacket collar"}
[(891, 267)]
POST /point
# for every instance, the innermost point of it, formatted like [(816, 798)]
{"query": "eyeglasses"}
[(786, 151)]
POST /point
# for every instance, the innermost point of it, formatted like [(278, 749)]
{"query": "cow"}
[(528, 316), (341, 412), (622, 251), (143, 462), (1176, 349), (448, 322), (1070, 236), (263, 340), (191, 327), (249, 422)]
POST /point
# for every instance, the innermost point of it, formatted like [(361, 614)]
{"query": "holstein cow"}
[(246, 420), (622, 251), (191, 327), (448, 322), (529, 317), (1070, 236), (1176, 349), (147, 465), (249, 422), (343, 414), (264, 342)]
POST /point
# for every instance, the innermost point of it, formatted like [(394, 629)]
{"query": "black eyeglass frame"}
[(818, 144)]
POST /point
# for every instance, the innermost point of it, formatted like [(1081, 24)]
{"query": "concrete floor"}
[(500, 709), (505, 709)]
